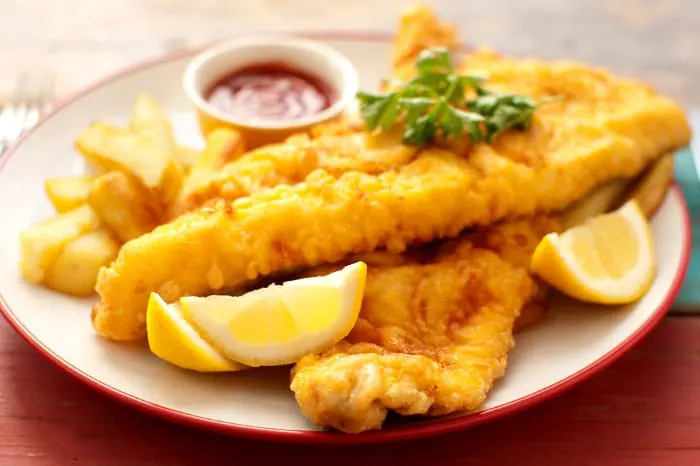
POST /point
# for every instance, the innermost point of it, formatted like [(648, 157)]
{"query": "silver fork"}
[(31, 99)]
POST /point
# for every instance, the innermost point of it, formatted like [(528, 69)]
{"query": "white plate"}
[(574, 342)]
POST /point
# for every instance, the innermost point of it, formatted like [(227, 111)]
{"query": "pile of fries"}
[(140, 172)]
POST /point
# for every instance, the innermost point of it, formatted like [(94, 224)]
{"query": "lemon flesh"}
[(280, 324), (609, 259), (173, 340)]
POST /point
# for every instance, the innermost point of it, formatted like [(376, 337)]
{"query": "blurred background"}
[(82, 40)]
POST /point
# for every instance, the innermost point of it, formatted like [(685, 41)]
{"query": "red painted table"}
[(642, 410)]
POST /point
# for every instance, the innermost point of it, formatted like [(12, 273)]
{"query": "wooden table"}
[(644, 410)]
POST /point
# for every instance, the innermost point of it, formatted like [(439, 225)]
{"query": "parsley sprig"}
[(437, 105)]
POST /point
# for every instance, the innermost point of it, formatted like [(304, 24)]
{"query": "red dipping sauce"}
[(270, 91)]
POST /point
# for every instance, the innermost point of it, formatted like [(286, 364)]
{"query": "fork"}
[(31, 99)]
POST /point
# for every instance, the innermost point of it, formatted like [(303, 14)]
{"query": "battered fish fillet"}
[(418, 30), (336, 148), (434, 329), (513, 241), (431, 339), (603, 127)]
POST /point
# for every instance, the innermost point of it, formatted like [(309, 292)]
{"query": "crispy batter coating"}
[(336, 148), (457, 302), (431, 339), (513, 241), (418, 29)]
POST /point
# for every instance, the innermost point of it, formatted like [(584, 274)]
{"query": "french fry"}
[(74, 271), (114, 148), (149, 120), (650, 189), (124, 206), (187, 156), (41, 244), (222, 146), (600, 200), (68, 193)]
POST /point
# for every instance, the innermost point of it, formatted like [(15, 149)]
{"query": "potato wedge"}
[(222, 146), (115, 148), (600, 200), (649, 190), (68, 193), (126, 208), (148, 119), (74, 272), (41, 244), (187, 156)]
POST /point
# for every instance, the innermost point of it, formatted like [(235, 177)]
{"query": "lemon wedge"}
[(609, 259), (279, 324), (172, 339)]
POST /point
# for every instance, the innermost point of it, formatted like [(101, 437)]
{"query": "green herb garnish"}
[(437, 105)]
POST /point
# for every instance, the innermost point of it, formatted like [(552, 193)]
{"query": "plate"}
[(574, 342)]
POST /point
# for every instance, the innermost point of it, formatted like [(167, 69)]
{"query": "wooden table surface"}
[(643, 410)]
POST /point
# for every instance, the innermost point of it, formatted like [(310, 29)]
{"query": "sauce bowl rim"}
[(346, 88)]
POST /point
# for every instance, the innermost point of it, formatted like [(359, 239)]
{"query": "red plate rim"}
[(428, 429)]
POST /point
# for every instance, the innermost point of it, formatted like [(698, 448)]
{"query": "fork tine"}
[(6, 116), (21, 107), (32, 117), (31, 99), (48, 90), (40, 102)]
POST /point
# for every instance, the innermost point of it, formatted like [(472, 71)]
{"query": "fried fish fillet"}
[(419, 29), (280, 229), (602, 127), (431, 339), (434, 329), (513, 241), (336, 148)]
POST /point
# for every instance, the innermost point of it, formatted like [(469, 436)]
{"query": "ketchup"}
[(270, 91)]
